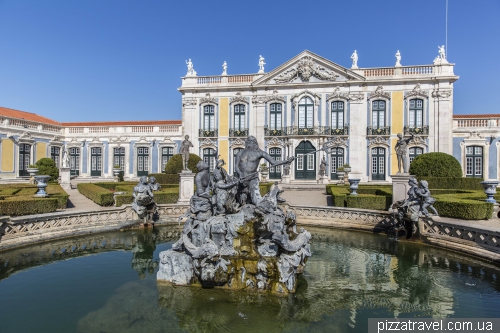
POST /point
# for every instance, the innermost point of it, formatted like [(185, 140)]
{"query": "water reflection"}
[(144, 248)]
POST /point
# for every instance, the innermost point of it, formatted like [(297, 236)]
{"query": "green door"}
[(24, 159), (337, 161), (305, 165), (142, 161), (275, 171), (95, 162), (378, 163), (74, 161)]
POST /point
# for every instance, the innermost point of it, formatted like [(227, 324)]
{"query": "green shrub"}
[(17, 206), (174, 164), (46, 166), (459, 183), (98, 194), (367, 201), (435, 165), (164, 178), (56, 191), (449, 205)]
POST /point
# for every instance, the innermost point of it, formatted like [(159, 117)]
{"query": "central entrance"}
[(305, 165)]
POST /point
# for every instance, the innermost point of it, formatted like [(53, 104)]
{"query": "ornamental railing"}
[(234, 132), (422, 130), (340, 131), (273, 131), (317, 130), (386, 130), (208, 133)]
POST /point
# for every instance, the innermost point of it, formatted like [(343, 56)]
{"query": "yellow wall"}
[(223, 117), (224, 151), (41, 150), (397, 108), (7, 155)]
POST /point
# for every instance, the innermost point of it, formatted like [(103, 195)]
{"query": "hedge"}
[(47, 166), (435, 165), (459, 183), (28, 206), (369, 197), (164, 178), (98, 194), (450, 206), (367, 201)]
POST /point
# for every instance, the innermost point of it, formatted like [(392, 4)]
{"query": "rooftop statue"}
[(398, 59), (354, 58), (190, 68), (224, 68), (261, 64), (441, 58), (233, 237)]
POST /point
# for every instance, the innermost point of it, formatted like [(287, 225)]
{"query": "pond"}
[(107, 283)]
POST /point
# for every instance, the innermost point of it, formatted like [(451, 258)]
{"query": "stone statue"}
[(401, 149), (251, 245), (143, 203), (322, 167), (224, 68), (247, 164), (261, 64), (153, 184), (398, 59), (426, 200), (65, 160), (442, 54), (354, 58), (184, 151), (190, 68)]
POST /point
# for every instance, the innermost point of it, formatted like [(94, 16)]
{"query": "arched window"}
[(416, 113), (275, 116), (306, 110), (474, 161), (337, 115), (378, 113), (239, 117), (209, 118)]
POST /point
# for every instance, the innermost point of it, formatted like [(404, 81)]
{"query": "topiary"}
[(174, 164), (47, 166), (435, 165)]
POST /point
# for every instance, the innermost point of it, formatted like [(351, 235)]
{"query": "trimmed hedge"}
[(367, 201), (47, 166), (164, 178), (369, 196), (450, 206), (435, 165), (459, 183), (97, 194), (174, 164), (28, 206)]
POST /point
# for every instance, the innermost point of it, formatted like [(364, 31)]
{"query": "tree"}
[(47, 166), (435, 165), (174, 164)]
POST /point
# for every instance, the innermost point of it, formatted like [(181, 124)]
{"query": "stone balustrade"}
[(492, 122), (140, 129), (20, 124)]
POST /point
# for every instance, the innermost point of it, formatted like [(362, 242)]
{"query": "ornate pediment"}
[(441, 93), (417, 92), (208, 99), (208, 143), (118, 140), (275, 142), (380, 93), (338, 95), (238, 99), (275, 97), (336, 141), (377, 142), (308, 67), (314, 96), (236, 143), (418, 141)]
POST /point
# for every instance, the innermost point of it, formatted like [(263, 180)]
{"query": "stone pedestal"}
[(400, 186), (65, 178), (186, 187), (285, 179), (323, 180)]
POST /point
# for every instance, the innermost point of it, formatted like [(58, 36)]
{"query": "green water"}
[(107, 283)]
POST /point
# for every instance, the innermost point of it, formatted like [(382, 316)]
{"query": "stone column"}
[(357, 136), (65, 178), (400, 186), (186, 187)]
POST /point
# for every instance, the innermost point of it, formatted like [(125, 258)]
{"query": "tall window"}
[(239, 117), (414, 152), (337, 161), (74, 161), (275, 113), (275, 171), (208, 118), (55, 155), (142, 161), (24, 159), (95, 161), (209, 157), (337, 115), (474, 161), (378, 163), (416, 115), (378, 114), (166, 154), (306, 109), (119, 157)]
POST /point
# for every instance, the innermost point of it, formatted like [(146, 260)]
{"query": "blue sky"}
[(100, 60)]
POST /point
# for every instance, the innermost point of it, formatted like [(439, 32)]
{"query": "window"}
[(337, 155), (119, 157), (24, 159), (337, 115), (142, 161), (414, 152), (209, 157), (378, 114), (208, 118), (378, 163), (416, 114), (166, 154), (74, 161), (306, 109), (275, 113), (239, 117), (95, 162), (275, 171), (300, 162), (474, 161), (55, 155)]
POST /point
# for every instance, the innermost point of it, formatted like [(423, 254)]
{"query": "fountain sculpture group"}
[(233, 237), (144, 204)]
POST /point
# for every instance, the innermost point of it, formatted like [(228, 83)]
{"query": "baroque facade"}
[(94, 148), (310, 102)]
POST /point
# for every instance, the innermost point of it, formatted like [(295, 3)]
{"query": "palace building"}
[(310, 102)]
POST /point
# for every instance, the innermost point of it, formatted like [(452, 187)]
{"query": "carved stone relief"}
[(304, 70)]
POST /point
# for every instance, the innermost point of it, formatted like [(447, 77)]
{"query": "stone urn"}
[(41, 183), (347, 169), (341, 175), (32, 171), (490, 189), (116, 171), (264, 171), (354, 182)]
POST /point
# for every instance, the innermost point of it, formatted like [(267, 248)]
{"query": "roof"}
[(11, 113), (123, 123), (473, 116)]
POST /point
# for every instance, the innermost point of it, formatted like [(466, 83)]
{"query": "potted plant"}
[(264, 171), (32, 169), (340, 172), (347, 168), (116, 170)]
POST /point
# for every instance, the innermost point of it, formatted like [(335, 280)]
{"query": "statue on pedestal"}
[(261, 64), (184, 151), (354, 58), (190, 68), (398, 59), (224, 68), (65, 159), (322, 167), (143, 203), (401, 150)]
